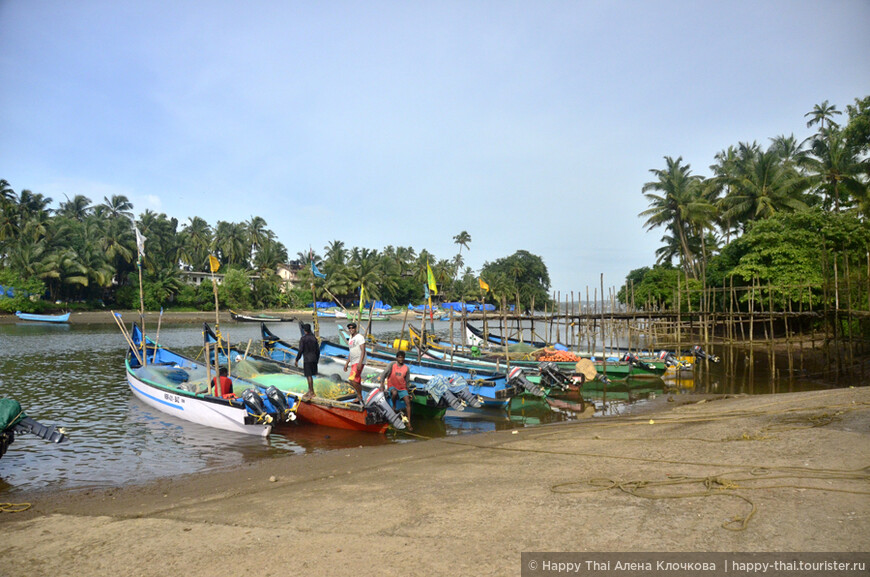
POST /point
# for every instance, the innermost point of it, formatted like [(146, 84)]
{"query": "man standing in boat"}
[(356, 359), (309, 352), (396, 375)]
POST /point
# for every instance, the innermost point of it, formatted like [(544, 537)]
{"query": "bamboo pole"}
[(127, 338), (157, 338), (208, 366)]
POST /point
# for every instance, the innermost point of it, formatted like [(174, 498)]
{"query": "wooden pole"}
[(142, 312), (123, 329), (208, 366), (157, 338)]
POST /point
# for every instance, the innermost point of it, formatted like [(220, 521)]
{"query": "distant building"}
[(289, 274)]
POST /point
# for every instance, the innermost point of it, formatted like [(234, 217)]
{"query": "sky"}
[(531, 125)]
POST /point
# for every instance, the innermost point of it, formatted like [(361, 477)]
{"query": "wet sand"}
[(762, 473)]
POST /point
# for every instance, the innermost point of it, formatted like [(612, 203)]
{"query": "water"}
[(73, 376)]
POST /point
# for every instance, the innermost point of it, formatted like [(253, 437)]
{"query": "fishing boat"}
[(495, 361), (478, 336), (259, 318), (13, 420), (180, 386), (431, 396), (335, 403), (493, 389), (63, 318)]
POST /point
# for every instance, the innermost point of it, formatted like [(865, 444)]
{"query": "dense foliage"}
[(790, 217), (85, 253)]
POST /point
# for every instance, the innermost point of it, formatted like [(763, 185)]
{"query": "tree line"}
[(792, 213), (84, 255)]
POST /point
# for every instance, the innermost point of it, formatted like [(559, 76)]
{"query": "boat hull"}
[(216, 413), (326, 414), (43, 318)]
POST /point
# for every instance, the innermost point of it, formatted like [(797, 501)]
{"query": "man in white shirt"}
[(356, 359)]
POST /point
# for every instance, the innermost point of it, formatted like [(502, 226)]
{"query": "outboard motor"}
[(255, 405), (279, 401), (702, 354), (47, 432), (439, 387), (636, 362), (377, 403), (555, 377), (459, 387), (518, 379), (669, 358)]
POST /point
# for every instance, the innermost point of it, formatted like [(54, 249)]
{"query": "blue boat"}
[(493, 390), (42, 318)]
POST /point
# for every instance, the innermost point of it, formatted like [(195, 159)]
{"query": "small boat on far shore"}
[(259, 318), (64, 318)]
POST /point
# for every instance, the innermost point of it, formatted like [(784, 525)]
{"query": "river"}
[(72, 376)]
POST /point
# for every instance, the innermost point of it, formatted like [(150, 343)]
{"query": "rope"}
[(14, 507), (731, 484)]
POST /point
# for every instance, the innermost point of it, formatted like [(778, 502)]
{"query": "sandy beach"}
[(764, 473)]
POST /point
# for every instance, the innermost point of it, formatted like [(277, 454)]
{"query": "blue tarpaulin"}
[(323, 305)]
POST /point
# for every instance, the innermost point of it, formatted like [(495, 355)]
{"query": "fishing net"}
[(10, 413)]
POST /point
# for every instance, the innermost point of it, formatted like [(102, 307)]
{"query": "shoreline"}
[(790, 466)]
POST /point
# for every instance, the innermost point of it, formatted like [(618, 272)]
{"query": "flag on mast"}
[(213, 263), (483, 286), (362, 301), (315, 271), (431, 279), (140, 242)]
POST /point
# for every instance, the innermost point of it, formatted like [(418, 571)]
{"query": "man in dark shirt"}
[(309, 352)]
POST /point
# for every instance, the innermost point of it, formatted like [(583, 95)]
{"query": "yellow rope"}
[(14, 507)]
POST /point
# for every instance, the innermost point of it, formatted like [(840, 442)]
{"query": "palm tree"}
[(230, 242), (764, 185), (196, 238), (119, 206), (336, 253), (77, 208), (679, 200), (462, 239), (256, 234), (834, 166), (822, 113)]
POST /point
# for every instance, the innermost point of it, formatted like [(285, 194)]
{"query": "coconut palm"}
[(76, 208), (678, 200), (764, 186), (196, 238), (119, 206), (822, 113), (834, 168)]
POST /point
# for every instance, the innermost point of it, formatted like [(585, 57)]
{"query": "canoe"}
[(492, 362), (178, 386), (259, 318), (494, 390), (335, 404), (431, 397), (476, 335), (42, 318), (13, 420)]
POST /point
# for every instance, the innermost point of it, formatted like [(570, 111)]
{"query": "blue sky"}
[(531, 125)]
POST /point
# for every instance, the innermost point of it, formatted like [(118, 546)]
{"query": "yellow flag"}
[(431, 278), (483, 285), (213, 263), (362, 300)]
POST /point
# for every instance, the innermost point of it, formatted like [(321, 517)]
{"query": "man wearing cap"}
[(356, 359), (309, 352)]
